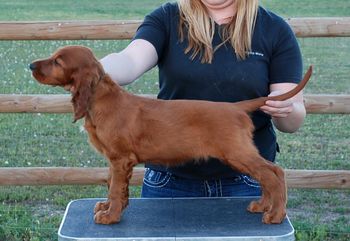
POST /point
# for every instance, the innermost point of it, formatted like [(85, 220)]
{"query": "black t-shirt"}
[(275, 58)]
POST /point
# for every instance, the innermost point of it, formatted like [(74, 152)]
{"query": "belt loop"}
[(207, 186), (220, 187)]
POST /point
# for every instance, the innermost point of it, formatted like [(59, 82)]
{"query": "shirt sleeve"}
[(154, 29), (286, 61)]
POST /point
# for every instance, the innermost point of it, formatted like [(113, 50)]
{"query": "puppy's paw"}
[(258, 206), (101, 206), (105, 217), (274, 217)]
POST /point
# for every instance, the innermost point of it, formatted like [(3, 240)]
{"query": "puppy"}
[(128, 130)]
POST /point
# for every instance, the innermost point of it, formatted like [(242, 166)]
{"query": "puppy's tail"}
[(254, 104)]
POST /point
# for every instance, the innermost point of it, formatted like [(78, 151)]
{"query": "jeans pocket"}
[(156, 179), (250, 181)]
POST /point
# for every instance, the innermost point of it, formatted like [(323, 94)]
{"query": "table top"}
[(203, 219)]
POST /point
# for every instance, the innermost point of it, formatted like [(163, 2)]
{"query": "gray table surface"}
[(173, 219)]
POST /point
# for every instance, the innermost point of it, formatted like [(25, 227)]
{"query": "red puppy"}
[(129, 130)]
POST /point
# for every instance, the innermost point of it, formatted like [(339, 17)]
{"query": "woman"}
[(216, 50)]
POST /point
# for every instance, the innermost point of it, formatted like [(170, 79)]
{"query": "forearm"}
[(293, 121), (119, 68), (129, 64)]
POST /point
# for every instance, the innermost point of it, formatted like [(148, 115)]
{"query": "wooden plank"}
[(318, 179), (125, 29), (327, 104), (338, 179), (35, 103), (320, 27), (317, 104), (68, 30), (19, 176)]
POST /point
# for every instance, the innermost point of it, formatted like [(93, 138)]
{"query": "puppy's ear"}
[(83, 82)]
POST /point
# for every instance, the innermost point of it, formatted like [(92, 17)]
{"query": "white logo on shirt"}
[(256, 54)]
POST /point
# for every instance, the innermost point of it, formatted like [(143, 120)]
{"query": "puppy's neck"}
[(106, 94), (106, 81), (105, 87)]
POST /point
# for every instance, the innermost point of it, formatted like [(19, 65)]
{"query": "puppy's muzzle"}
[(32, 66)]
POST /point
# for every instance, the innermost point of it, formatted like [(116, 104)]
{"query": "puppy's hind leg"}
[(273, 200)]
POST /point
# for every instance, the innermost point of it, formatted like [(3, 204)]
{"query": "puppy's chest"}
[(102, 133), (96, 136)]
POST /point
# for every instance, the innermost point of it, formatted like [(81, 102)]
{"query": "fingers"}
[(279, 104), (275, 113), (279, 109)]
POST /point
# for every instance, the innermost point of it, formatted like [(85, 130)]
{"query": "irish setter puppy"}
[(128, 130)]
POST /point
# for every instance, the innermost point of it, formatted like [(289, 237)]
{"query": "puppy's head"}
[(72, 66)]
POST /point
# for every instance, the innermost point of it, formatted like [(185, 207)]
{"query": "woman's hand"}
[(278, 109), (287, 115)]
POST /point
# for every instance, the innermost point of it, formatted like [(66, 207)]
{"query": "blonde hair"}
[(200, 28)]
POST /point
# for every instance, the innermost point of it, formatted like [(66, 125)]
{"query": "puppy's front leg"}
[(103, 206), (118, 194)]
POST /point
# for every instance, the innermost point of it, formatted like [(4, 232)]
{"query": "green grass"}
[(28, 140)]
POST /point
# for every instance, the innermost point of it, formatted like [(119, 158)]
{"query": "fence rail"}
[(86, 176), (117, 29), (318, 104)]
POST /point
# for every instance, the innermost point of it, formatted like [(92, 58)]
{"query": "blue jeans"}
[(158, 184)]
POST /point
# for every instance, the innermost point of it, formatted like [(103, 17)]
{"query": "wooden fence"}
[(83, 30)]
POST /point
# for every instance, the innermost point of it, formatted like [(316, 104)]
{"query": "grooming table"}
[(185, 219)]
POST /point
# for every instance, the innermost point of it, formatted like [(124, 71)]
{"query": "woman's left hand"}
[(278, 109), (287, 115)]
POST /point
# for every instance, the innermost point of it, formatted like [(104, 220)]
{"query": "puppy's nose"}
[(32, 66)]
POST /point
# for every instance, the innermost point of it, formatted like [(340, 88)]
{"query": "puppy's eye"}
[(56, 62)]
